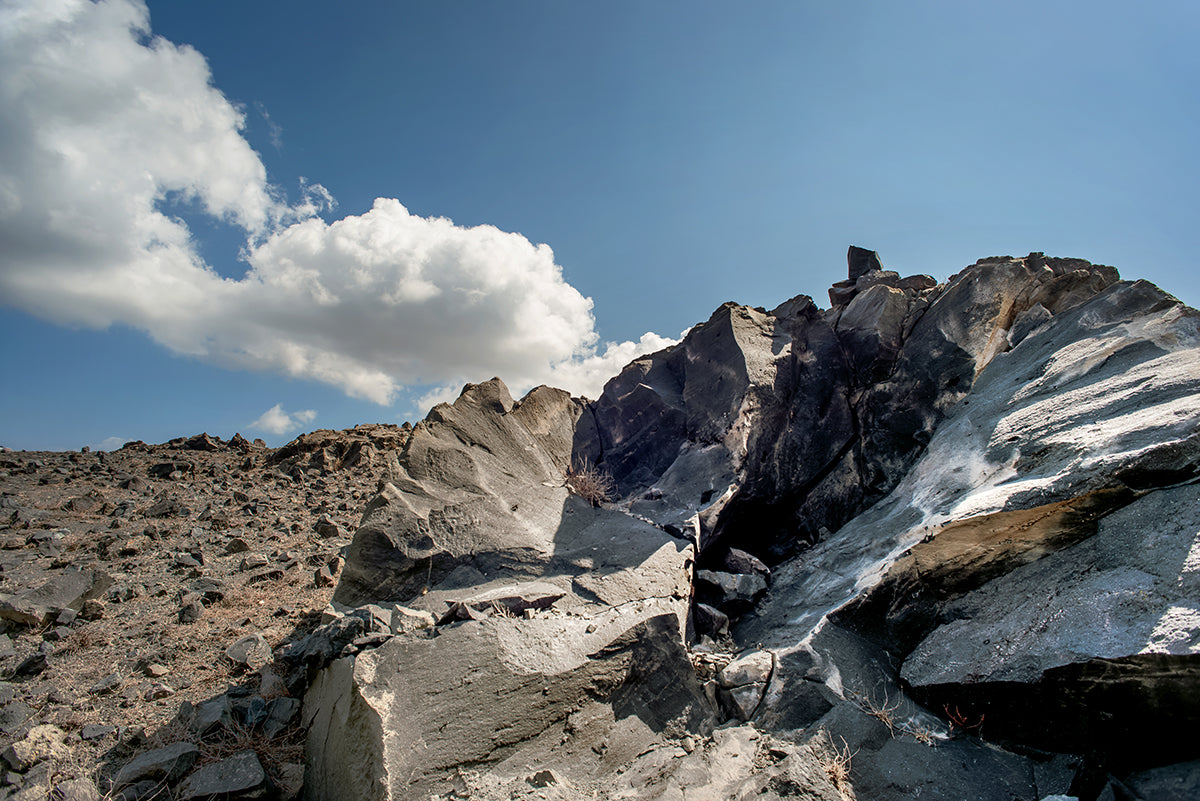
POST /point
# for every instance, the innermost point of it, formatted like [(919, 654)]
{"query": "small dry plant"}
[(837, 765), (961, 721), (82, 639), (591, 483), (885, 712)]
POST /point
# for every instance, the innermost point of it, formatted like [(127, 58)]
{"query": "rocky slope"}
[(939, 540), (125, 577)]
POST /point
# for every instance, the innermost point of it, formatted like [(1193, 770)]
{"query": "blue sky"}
[(191, 236)]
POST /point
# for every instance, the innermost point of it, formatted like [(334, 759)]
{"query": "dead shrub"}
[(837, 765), (82, 639), (591, 483)]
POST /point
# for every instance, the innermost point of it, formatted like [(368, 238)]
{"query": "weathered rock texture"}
[(937, 541), (937, 512)]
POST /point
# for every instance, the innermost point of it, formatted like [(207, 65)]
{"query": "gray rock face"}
[(1132, 588), (397, 721), (545, 604), (479, 485), (1015, 507), (975, 503)]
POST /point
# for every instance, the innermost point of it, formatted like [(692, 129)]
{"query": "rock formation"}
[(939, 540), (972, 503)]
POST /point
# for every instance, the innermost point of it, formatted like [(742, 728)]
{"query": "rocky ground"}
[(127, 575)]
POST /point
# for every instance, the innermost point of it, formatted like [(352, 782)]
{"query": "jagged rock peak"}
[(861, 261)]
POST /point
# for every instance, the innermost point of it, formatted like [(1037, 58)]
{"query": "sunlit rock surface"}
[(953, 529)]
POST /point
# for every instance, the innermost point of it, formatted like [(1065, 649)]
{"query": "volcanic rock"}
[(240, 776), (936, 541), (166, 764)]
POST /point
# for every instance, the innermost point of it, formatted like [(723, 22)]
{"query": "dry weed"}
[(591, 483), (272, 752), (886, 713), (82, 639), (837, 763)]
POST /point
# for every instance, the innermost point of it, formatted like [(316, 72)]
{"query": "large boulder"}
[(547, 605), (401, 721), (1030, 576)]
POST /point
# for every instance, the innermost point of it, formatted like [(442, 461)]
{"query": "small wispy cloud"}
[(273, 129), (276, 421), (110, 444)]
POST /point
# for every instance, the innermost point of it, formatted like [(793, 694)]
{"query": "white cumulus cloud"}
[(276, 421), (104, 126)]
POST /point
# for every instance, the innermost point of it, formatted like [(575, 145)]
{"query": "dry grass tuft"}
[(837, 765), (591, 483), (272, 752), (83, 639), (885, 712)]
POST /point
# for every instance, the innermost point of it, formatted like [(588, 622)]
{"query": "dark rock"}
[(203, 442), (734, 592), (240, 775), (108, 684), (86, 504), (31, 665), (167, 469), (710, 620), (460, 611), (861, 261), (737, 561), (252, 710), (327, 528), (236, 545), (279, 715), (253, 561), (56, 634), (325, 642), (134, 484), (191, 607), (165, 506), (96, 731), (164, 765), (212, 715), (209, 589), (268, 574), (145, 790), (92, 609), (323, 576), (1178, 782), (157, 691), (48, 543), (16, 717)]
